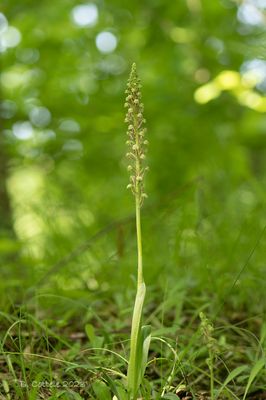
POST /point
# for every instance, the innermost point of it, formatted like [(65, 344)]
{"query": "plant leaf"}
[(96, 341), (254, 372), (232, 375), (117, 388), (101, 390), (170, 396), (135, 359), (145, 340)]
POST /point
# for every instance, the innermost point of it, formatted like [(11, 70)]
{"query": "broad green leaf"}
[(101, 390), (90, 332), (96, 341)]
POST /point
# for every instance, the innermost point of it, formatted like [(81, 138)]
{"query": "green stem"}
[(133, 367), (139, 242), (138, 205), (211, 374)]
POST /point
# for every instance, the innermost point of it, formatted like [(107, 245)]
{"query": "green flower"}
[(136, 135)]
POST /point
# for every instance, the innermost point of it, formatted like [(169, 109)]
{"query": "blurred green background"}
[(67, 221)]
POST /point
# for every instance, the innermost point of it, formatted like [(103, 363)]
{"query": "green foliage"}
[(67, 238), (137, 339), (96, 341), (258, 366), (231, 376), (101, 390)]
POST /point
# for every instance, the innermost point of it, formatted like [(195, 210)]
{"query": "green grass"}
[(55, 352), (61, 334), (68, 251)]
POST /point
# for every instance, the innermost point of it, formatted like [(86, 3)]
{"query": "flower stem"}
[(139, 242), (136, 155)]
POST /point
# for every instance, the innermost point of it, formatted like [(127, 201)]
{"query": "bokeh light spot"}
[(253, 100), (10, 38), (69, 125), (40, 116), (228, 80), (206, 93), (106, 42), (23, 130), (254, 73), (249, 14), (202, 75), (85, 15), (3, 23), (181, 35)]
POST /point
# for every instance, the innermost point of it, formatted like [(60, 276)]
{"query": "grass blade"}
[(254, 372), (233, 374)]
